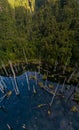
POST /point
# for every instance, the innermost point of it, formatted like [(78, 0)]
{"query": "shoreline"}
[(49, 74), (46, 69)]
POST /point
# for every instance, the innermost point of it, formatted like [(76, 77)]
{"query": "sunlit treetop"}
[(28, 4)]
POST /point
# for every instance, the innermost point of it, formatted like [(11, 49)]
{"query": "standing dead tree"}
[(15, 80)]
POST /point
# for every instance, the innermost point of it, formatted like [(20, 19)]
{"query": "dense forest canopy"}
[(49, 30)]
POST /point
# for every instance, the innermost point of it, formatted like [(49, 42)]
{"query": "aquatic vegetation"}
[(32, 77), (50, 86), (74, 109)]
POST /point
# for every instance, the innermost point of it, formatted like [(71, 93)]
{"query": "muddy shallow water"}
[(22, 110)]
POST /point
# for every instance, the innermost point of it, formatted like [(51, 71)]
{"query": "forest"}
[(49, 33)]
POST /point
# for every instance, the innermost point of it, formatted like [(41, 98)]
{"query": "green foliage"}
[(51, 32)]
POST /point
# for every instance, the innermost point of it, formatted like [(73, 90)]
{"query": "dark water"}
[(22, 110)]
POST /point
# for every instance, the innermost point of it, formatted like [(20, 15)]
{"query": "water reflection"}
[(22, 112)]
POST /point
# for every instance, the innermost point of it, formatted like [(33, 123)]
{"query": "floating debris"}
[(54, 95), (49, 90), (24, 126), (32, 77), (34, 90), (50, 86), (9, 127), (8, 94), (46, 88), (49, 112), (40, 106), (74, 109)]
